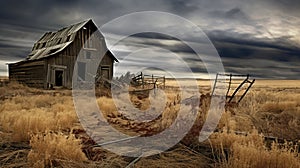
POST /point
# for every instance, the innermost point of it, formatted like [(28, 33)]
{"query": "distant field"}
[(278, 83), (259, 83)]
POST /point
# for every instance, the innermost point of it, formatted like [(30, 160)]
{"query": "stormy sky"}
[(260, 37)]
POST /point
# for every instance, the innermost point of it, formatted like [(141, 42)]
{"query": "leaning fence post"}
[(251, 83), (142, 76), (236, 90), (229, 85), (215, 84)]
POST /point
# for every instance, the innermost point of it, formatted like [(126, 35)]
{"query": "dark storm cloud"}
[(264, 59), (31, 13), (234, 13), (289, 6), (154, 35), (182, 7), (221, 37), (260, 57)]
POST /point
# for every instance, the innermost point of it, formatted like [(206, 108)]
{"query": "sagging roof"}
[(54, 42)]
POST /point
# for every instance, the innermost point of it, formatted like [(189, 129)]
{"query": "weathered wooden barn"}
[(53, 57)]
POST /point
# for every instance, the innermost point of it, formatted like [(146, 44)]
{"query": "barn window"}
[(87, 54), (37, 46), (81, 70), (43, 45), (68, 38), (105, 72), (59, 41)]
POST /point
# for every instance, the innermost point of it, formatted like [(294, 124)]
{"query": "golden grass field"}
[(39, 128)]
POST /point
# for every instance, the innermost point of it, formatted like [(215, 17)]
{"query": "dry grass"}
[(14, 158), (277, 83), (31, 114), (49, 149), (179, 157), (273, 111), (251, 151), (35, 114), (107, 106), (252, 156), (227, 139), (12, 89)]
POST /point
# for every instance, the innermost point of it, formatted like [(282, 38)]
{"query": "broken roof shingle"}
[(54, 42)]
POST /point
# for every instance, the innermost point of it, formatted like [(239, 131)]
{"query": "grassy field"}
[(39, 128)]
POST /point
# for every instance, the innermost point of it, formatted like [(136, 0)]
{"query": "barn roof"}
[(54, 42)]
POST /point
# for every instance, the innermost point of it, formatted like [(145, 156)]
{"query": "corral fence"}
[(148, 82), (237, 86)]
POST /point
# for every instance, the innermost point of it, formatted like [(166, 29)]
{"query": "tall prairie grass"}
[(252, 156), (40, 117), (22, 116), (50, 149), (269, 112), (251, 151)]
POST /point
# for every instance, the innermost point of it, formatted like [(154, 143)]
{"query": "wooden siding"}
[(30, 73), (68, 57)]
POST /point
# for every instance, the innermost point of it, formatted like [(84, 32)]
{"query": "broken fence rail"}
[(230, 81)]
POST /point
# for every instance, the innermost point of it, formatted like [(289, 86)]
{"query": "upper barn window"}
[(43, 45), (59, 40), (37, 45), (68, 38)]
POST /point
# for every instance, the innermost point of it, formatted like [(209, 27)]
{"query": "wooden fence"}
[(148, 82), (237, 86)]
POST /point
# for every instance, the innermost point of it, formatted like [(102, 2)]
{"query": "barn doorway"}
[(105, 72), (59, 77), (56, 76)]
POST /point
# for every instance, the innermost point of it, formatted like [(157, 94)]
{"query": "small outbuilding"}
[(53, 57)]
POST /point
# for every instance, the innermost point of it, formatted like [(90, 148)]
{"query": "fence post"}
[(215, 84), (229, 85), (237, 89), (142, 76), (152, 78), (251, 83)]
